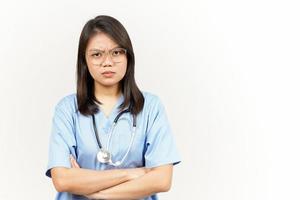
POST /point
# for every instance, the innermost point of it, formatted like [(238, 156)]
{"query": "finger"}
[(72, 161), (76, 164)]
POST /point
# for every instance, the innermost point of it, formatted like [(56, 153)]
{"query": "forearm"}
[(153, 182), (85, 181)]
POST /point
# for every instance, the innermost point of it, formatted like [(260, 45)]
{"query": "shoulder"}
[(67, 103), (150, 97), (152, 101), (154, 112)]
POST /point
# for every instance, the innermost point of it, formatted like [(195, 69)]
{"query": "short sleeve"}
[(62, 138), (160, 144)]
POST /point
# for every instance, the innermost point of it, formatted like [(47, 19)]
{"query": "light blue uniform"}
[(72, 133)]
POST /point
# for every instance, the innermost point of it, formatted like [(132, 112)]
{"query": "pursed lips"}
[(108, 72)]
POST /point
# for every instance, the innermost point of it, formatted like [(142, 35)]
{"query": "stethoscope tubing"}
[(111, 132)]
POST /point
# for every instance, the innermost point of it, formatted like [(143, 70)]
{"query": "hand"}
[(133, 173), (137, 172), (92, 196), (74, 164)]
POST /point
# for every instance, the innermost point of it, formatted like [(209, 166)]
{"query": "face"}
[(106, 61)]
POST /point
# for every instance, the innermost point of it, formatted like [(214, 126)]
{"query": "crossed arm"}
[(112, 184)]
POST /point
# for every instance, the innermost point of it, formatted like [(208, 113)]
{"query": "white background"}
[(226, 71)]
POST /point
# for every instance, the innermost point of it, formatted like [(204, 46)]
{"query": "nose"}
[(107, 60)]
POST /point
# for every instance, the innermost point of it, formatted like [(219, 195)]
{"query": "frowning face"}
[(106, 61)]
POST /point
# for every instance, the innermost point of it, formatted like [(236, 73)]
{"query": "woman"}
[(92, 157)]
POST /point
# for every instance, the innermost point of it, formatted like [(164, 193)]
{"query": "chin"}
[(108, 83)]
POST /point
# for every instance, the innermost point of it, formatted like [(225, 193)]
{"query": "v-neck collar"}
[(106, 121), (115, 107)]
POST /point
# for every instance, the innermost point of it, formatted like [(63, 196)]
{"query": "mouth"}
[(108, 74)]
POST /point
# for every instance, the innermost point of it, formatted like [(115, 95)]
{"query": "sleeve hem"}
[(48, 171), (151, 165)]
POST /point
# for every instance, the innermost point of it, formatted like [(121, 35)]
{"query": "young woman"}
[(109, 140)]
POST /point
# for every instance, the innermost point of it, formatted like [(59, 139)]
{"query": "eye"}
[(98, 54), (118, 52)]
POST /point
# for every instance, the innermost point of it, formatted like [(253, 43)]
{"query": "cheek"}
[(121, 70), (124, 68), (92, 70)]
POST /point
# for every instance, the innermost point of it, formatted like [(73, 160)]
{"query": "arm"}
[(157, 180), (84, 181)]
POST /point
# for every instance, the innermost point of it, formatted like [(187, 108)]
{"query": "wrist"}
[(127, 174)]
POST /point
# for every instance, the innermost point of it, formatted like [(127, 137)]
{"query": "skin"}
[(137, 188)]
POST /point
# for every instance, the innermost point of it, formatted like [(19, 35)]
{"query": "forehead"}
[(101, 41)]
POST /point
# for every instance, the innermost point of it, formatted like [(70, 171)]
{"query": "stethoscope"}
[(104, 156)]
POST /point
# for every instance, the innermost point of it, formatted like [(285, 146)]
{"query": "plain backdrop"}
[(226, 71)]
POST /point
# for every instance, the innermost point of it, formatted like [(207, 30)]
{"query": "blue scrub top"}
[(72, 133)]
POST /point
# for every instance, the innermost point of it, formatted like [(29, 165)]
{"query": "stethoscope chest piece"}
[(103, 156)]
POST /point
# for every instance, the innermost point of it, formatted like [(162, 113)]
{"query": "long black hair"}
[(86, 99)]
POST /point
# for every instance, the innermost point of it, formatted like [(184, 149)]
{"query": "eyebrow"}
[(94, 49)]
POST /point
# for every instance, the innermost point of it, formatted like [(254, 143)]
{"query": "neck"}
[(103, 92)]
